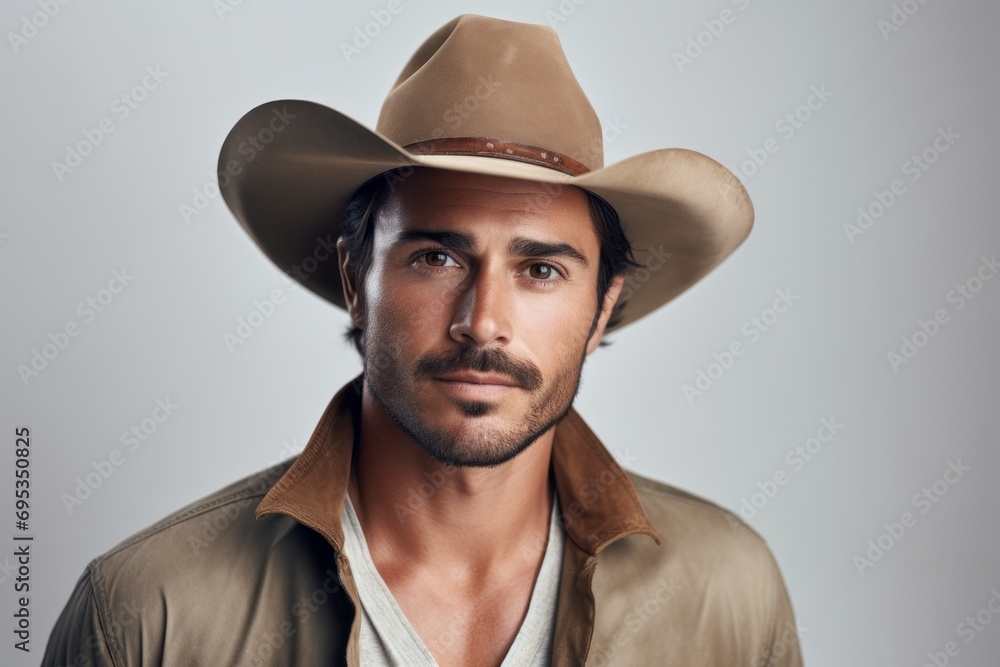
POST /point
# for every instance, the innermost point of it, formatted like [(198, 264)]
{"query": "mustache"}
[(489, 360)]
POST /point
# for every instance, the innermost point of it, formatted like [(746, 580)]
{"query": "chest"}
[(467, 622)]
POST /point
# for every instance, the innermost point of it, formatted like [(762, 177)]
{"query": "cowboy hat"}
[(486, 96)]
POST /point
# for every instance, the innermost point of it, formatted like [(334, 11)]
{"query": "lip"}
[(486, 379)]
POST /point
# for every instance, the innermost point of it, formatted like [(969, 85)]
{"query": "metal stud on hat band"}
[(489, 147)]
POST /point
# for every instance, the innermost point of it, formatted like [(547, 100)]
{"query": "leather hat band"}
[(488, 147)]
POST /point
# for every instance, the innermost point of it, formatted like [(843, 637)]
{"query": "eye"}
[(437, 258), (541, 271)]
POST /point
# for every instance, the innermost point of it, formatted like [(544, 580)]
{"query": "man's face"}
[(477, 311)]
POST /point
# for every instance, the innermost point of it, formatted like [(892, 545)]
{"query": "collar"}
[(598, 502)]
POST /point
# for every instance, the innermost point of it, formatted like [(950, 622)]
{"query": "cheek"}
[(429, 305), (380, 314), (407, 310), (555, 328)]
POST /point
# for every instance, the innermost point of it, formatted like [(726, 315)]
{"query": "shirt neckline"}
[(536, 629), (599, 504)]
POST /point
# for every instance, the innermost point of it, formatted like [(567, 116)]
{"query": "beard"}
[(395, 385)]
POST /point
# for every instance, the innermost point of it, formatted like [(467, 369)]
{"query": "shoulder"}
[(169, 577), (209, 524), (719, 559), (696, 527), (713, 584)]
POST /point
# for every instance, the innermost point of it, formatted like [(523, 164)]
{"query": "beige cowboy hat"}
[(487, 96)]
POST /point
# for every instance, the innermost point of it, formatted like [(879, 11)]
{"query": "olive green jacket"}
[(255, 574)]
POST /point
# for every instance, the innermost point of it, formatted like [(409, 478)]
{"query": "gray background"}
[(826, 357)]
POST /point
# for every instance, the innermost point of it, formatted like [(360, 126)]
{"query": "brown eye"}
[(436, 258), (540, 271)]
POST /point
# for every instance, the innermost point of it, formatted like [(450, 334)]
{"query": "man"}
[(451, 507)]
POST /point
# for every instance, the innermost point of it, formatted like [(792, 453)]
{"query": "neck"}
[(412, 508)]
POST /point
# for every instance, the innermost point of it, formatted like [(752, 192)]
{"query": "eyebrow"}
[(520, 246)]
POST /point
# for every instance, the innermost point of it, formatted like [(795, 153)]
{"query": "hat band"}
[(488, 147)]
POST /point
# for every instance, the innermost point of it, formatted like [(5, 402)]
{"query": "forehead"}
[(435, 198)]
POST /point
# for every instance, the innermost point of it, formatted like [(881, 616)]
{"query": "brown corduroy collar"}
[(598, 503)]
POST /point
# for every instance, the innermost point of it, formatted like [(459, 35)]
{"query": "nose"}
[(483, 313)]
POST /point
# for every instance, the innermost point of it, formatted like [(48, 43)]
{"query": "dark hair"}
[(358, 230)]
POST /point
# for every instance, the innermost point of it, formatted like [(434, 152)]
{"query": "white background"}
[(826, 357)]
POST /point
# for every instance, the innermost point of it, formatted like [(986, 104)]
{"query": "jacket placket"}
[(574, 627), (347, 584)]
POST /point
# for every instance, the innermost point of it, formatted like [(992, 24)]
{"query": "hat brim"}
[(288, 169)]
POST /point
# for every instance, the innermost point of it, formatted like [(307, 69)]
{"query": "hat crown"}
[(484, 77)]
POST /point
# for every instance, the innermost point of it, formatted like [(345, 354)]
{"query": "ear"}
[(351, 297), (610, 299)]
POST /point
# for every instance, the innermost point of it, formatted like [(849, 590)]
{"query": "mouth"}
[(477, 386), (487, 379)]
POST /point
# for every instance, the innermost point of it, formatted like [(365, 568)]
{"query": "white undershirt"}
[(388, 639)]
